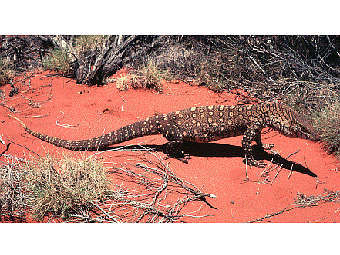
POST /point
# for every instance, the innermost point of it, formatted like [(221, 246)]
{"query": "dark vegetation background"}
[(301, 70)]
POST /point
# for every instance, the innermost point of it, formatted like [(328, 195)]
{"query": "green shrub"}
[(58, 60)]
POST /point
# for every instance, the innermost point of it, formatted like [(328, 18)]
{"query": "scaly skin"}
[(202, 124)]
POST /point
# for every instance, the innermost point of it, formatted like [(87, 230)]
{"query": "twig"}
[(152, 206), (271, 215), (36, 116), (23, 147), (11, 108), (291, 154), (7, 147), (106, 214), (303, 201), (1, 140), (277, 173), (66, 125)]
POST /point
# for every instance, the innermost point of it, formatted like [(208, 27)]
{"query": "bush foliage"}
[(6, 71), (58, 60), (327, 122)]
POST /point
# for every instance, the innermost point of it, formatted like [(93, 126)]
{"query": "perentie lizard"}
[(202, 124)]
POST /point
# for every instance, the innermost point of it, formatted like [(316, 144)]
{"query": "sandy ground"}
[(215, 168)]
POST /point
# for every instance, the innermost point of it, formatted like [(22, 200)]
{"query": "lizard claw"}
[(184, 160), (259, 163)]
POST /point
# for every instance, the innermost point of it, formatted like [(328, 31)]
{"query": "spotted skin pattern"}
[(202, 124)]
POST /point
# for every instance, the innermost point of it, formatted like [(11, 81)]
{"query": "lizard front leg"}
[(265, 146), (253, 133)]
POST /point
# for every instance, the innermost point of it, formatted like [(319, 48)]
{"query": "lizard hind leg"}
[(264, 146)]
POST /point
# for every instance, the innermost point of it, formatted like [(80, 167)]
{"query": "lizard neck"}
[(277, 117)]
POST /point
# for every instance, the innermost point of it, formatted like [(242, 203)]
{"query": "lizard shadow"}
[(227, 150)]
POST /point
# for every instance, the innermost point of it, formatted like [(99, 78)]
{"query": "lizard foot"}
[(174, 150), (184, 159)]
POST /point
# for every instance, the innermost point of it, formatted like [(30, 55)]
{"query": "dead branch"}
[(148, 192), (303, 201), (159, 184)]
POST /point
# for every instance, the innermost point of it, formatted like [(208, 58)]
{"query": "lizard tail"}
[(126, 133)]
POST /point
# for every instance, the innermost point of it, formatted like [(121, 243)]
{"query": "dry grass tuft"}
[(327, 122), (148, 76), (12, 189), (319, 103), (151, 76), (64, 187), (78, 190), (86, 43), (123, 82)]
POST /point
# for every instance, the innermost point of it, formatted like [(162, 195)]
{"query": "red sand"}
[(98, 110)]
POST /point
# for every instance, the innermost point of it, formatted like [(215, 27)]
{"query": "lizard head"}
[(291, 124)]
